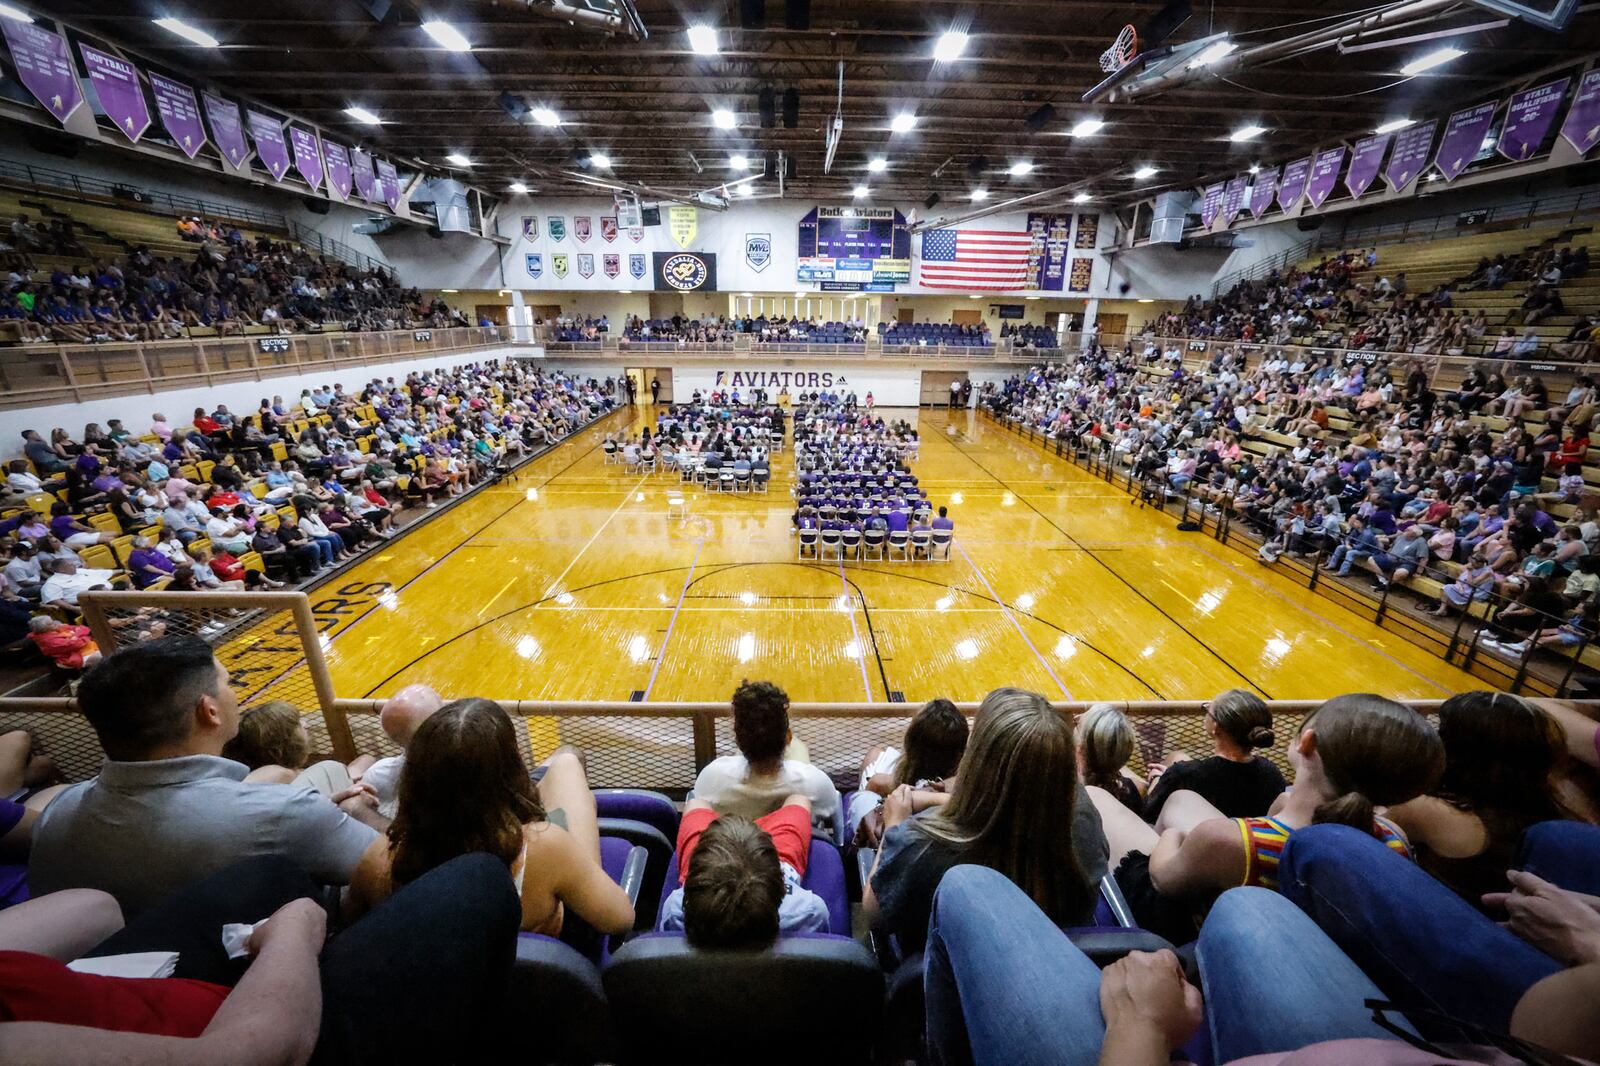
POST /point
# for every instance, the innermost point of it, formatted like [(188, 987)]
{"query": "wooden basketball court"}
[(571, 581)]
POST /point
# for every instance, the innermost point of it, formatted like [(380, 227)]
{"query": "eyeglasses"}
[(1390, 1017)]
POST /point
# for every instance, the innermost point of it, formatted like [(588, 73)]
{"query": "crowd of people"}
[(341, 482), (1450, 871), (229, 283), (1325, 306), (1414, 484)]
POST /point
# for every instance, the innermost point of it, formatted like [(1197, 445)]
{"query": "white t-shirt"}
[(384, 777), (887, 762), (728, 785)]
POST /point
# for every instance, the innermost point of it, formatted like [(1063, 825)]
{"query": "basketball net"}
[(1124, 48)]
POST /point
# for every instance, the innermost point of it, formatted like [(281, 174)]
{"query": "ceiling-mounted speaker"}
[(932, 201), (789, 170), (753, 14), (797, 14), (766, 105), (514, 106), (1040, 118), (791, 108)]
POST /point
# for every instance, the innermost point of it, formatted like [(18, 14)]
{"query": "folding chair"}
[(899, 541), (920, 541), (872, 543), (727, 481), (759, 476), (940, 547), (676, 505), (807, 539), (851, 544), (832, 541), (612, 454), (741, 480)]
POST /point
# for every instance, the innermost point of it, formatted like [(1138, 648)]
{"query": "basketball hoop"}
[(1124, 48)]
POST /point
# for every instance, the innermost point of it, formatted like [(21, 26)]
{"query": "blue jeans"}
[(1422, 943), (1566, 854), (1004, 985), (1344, 557)]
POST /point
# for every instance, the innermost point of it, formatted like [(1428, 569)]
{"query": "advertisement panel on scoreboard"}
[(865, 245)]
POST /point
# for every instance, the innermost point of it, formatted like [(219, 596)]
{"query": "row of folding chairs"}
[(852, 545), (725, 479)]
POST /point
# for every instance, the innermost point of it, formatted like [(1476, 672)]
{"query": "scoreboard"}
[(854, 248)]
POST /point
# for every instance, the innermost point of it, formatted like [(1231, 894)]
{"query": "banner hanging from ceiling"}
[(44, 66), (180, 113), (116, 86)]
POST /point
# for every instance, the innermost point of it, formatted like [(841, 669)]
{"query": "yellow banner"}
[(683, 222)]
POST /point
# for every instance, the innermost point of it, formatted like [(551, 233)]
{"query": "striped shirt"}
[(1264, 840)]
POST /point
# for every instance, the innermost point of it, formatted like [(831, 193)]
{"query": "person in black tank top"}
[(1236, 781)]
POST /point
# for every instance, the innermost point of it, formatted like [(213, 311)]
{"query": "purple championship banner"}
[(1324, 176), (307, 159), (1463, 136), (361, 174), (1365, 159), (338, 160), (389, 180), (1410, 155), (270, 145), (227, 129), (1047, 258), (1293, 183), (1211, 204), (44, 66), (1262, 192), (1233, 199), (1529, 117), (1582, 127), (180, 113), (116, 86)]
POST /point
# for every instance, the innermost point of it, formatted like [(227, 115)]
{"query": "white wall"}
[(1167, 272), (240, 396)]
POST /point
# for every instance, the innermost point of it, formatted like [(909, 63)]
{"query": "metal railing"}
[(35, 375), (1533, 672), (1565, 209), (747, 346), (333, 248), (1264, 267), (65, 184)]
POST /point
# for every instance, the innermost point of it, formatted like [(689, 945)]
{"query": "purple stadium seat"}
[(640, 805), (824, 876), (552, 980), (625, 864)]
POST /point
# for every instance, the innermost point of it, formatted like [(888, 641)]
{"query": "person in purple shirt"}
[(146, 564), (943, 521), (899, 518)]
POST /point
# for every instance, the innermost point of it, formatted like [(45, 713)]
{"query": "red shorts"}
[(789, 827)]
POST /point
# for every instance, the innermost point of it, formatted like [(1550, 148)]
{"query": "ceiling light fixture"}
[(903, 122), (979, 195), (1081, 198), (739, 162), (546, 117), (518, 187), (458, 159), (600, 160), (15, 14), (861, 192), (1246, 133), (1145, 172), (747, 189), (877, 164), (1020, 169), (362, 115), (446, 36), (723, 119), (1436, 58), (1394, 124), (703, 39), (950, 46), (1211, 53), (1088, 127), (180, 28), (1255, 168)]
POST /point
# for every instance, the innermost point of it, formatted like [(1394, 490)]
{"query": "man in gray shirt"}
[(167, 810)]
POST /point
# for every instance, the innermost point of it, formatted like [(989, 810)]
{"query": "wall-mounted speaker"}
[(932, 201), (791, 108), (1305, 225), (317, 205), (766, 105)]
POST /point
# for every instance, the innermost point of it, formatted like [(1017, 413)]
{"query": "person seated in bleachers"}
[(1019, 807), (741, 879), (1353, 754), (770, 765), (464, 787), (399, 717), (70, 647), (68, 580), (1105, 741), (272, 741), (927, 760), (166, 808)]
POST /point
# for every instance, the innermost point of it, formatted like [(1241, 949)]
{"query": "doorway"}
[(905, 315), (936, 386), (643, 376), (965, 317)]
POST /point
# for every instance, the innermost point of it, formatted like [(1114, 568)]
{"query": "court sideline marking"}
[(551, 589), (1012, 619), (861, 649), (661, 652)]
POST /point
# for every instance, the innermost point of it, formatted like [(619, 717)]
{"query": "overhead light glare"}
[(1255, 168), (1088, 127), (600, 160), (179, 28), (1212, 52), (458, 159), (362, 115), (903, 122), (446, 36), (979, 195), (518, 187), (1246, 133), (1081, 198), (1145, 172), (15, 14), (950, 46), (1436, 58), (723, 119), (703, 39), (546, 117), (877, 164), (1020, 169), (1394, 124), (747, 189), (861, 192), (739, 162)]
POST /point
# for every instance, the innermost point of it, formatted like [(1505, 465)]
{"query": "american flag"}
[(975, 259)]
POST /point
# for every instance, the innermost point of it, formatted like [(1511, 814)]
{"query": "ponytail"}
[(1352, 809)]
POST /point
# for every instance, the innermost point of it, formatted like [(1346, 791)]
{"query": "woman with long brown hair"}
[(1018, 807), (465, 788)]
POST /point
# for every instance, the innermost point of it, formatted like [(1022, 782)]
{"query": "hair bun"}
[(1261, 737)]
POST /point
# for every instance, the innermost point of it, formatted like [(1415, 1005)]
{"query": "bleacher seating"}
[(934, 333)]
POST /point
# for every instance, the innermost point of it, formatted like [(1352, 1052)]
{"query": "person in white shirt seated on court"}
[(771, 765)]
